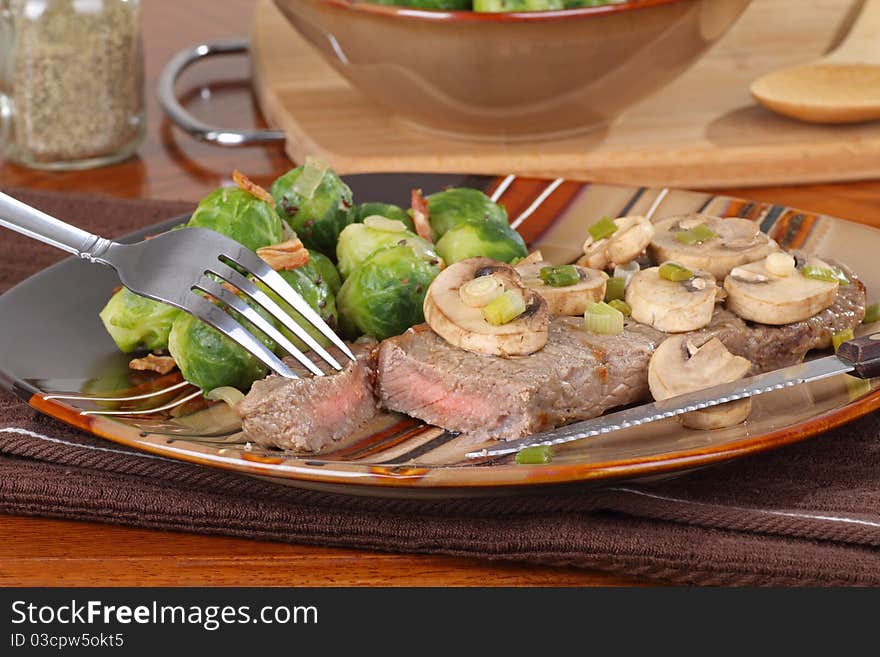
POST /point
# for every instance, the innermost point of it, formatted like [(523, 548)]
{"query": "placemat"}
[(804, 515)]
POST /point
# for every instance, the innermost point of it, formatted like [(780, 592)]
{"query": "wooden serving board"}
[(702, 131)]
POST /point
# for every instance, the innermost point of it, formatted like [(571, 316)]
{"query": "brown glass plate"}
[(56, 356)]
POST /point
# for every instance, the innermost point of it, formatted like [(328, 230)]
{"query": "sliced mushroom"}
[(672, 306), (464, 326), (678, 366), (632, 236), (755, 293), (570, 299), (736, 242)]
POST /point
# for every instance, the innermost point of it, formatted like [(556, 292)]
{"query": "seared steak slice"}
[(577, 375), (309, 413)]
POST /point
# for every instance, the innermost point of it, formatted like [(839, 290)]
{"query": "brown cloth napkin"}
[(807, 514)]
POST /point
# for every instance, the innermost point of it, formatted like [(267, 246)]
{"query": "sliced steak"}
[(309, 413), (577, 375)]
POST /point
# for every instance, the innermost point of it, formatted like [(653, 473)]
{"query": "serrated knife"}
[(859, 357)]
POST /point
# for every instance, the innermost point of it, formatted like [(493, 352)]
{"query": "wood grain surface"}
[(41, 552), (703, 130)]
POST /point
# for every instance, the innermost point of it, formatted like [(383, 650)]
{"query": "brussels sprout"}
[(209, 359), (326, 269), (519, 5), (318, 217), (447, 5), (311, 286), (239, 215), (472, 239), (454, 206), (384, 296), (388, 210), (358, 242), (135, 322)]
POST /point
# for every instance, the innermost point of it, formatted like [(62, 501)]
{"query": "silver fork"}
[(177, 266)]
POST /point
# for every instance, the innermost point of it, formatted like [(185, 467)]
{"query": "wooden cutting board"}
[(704, 130)]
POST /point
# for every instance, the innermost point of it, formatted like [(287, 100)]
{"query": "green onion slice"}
[(872, 314), (622, 306), (306, 184), (615, 288), (561, 276), (603, 318), (603, 228), (535, 455), (696, 235), (504, 308), (672, 271), (820, 273), (839, 338)]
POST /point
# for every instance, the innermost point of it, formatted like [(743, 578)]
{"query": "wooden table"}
[(39, 552)]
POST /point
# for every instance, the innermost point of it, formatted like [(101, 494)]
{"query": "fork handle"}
[(29, 221)]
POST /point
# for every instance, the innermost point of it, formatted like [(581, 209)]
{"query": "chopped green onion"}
[(306, 184), (603, 228), (672, 271), (480, 291), (505, 307), (820, 273), (561, 276), (535, 455), (622, 306), (696, 235), (615, 288), (839, 338), (872, 314), (840, 276), (603, 318)]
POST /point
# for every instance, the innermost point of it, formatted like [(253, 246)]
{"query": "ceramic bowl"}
[(512, 75)]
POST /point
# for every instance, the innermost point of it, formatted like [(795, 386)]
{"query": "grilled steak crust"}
[(577, 375), (309, 413)]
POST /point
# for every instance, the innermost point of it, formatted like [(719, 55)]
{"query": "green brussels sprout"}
[(239, 215), (519, 5), (315, 291), (454, 206), (387, 210), (327, 270), (446, 5), (319, 214), (359, 241), (135, 322), (384, 296), (473, 239), (209, 359)]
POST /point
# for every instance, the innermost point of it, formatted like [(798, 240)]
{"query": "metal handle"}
[(196, 128), (29, 221)]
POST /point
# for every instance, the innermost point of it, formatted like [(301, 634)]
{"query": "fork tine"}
[(273, 280), (216, 290), (215, 317), (261, 298)]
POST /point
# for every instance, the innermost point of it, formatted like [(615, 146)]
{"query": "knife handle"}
[(863, 354)]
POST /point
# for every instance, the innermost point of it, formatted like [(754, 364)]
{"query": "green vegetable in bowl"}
[(452, 207), (240, 215), (325, 268), (209, 359), (447, 5), (317, 208), (310, 284), (387, 210), (384, 296), (472, 239), (135, 322), (359, 241), (517, 5)]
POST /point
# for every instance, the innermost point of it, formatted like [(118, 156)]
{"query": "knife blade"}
[(860, 357)]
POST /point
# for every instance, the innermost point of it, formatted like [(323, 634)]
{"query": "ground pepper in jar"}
[(71, 81)]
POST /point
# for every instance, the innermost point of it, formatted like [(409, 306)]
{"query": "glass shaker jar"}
[(71, 82)]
